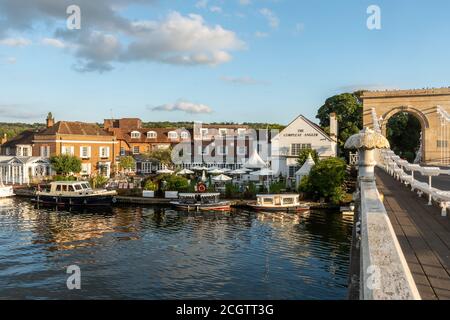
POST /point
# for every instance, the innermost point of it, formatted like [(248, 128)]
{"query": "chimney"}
[(334, 131), (4, 139), (50, 120)]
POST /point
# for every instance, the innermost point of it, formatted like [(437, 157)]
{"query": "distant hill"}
[(13, 129), (187, 125)]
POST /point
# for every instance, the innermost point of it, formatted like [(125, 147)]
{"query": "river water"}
[(157, 253)]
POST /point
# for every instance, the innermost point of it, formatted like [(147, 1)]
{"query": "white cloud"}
[(183, 106), (15, 42), (271, 17), (242, 80), (182, 40), (260, 34), (215, 9), (201, 4), (11, 60), (53, 43)]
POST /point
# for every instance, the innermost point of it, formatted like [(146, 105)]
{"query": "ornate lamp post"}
[(366, 141)]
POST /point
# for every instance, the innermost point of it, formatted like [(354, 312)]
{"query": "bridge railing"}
[(399, 169), (385, 274)]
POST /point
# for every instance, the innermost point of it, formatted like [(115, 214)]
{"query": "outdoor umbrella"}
[(215, 171), (165, 171), (222, 178), (185, 172), (266, 172), (199, 168)]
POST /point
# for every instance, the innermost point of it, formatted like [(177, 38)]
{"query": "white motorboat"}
[(279, 202)]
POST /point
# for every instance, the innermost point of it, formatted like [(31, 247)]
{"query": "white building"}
[(302, 134), (23, 170)]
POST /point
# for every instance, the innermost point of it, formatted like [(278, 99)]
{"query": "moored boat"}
[(6, 191), (201, 202), (279, 202), (74, 193)]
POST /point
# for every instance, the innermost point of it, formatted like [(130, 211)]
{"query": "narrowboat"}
[(74, 193), (279, 203), (201, 202)]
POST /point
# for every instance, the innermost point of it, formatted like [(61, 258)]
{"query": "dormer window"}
[(172, 135), (152, 135), (135, 135), (185, 135)]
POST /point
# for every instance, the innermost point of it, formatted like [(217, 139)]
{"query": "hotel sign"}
[(301, 133)]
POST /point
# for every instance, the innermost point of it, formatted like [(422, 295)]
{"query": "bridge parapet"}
[(384, 274)]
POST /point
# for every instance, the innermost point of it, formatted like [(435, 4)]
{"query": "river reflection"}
[(157, 253)]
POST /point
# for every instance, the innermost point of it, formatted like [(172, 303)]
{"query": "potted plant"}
[(149, 189)]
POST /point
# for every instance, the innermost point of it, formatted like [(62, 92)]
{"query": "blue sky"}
[(216, 60)]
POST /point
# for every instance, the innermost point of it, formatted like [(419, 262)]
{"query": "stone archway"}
[(423, 104)]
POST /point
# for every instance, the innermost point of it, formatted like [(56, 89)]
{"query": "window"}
[(85, 152), (122, 151), (222, 150), (135, 135), (58, 187), (442, 144), (104, 152), (296, 148), (136, 150), (242, 151), (293, 170), (173, 135), (241, 132), (85, 169), (70, 150), (185, 135), (25, 152), (204, 132), (223, 132), (152, 135), (71, 189), (45, 151), (77, 187)]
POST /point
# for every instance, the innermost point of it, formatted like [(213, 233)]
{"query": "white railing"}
[(398, 168)]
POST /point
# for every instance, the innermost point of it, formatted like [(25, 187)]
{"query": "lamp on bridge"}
[(366, 141)]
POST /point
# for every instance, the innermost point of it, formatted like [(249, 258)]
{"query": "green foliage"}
[(65, 164), (150, 185), (14, 129), (403, 133), (250, 191), (326, 179), (98, 181), (277, 187), (174, 183), (232, 191), (164, 156), (64, 178), (348, 109), (127, 163), (304, 155)]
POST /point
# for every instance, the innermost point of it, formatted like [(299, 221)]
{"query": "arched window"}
[(185, 135)]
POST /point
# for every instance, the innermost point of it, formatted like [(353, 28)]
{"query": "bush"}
[(175, 183), (150, 186), (98, 181), (277, 187), (250, 191), (326, 179), (231, 191), (65, 164), (304, 153), (64, 178)]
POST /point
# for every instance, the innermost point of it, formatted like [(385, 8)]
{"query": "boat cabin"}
[(70, 187), (203, 198), (278, 199)]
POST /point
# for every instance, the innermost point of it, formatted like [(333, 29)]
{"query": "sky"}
[(211, 60)]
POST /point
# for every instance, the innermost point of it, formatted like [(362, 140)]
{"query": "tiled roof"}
[(75, 128), (26, 137)]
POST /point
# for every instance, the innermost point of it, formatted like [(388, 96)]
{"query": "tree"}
[(403, 132), (348, 109), (326, 179), (164, 156), (127, 163), (304, 154), (65, 164)]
